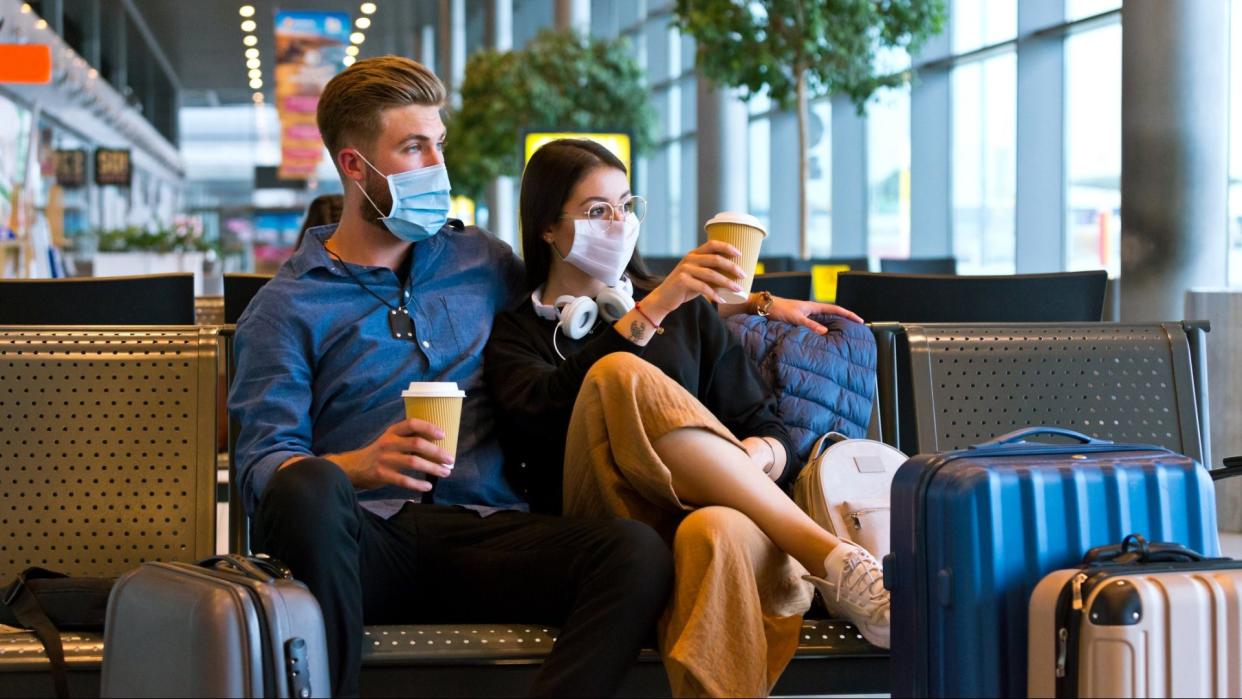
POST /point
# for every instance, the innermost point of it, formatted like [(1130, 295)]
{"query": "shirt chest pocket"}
[(449, 327)]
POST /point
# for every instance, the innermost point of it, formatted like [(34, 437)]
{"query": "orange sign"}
[(26, 63)]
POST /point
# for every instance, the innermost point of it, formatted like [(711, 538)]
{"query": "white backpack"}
[(845, 489)]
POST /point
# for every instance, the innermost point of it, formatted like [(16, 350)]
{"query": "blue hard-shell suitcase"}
[(974, 530)]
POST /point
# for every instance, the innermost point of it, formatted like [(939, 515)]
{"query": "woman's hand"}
[(705, 269), (800, 312), (759, 452)]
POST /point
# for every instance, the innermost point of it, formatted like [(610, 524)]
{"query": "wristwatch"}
[(764, 307)]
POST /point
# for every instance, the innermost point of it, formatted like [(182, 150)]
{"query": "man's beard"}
[(377, 190)]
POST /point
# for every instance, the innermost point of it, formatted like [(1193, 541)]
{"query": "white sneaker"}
[(853, 589)]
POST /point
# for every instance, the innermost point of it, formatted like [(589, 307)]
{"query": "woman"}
[(660, 416)]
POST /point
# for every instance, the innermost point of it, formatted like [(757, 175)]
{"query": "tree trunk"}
[(804, 213)]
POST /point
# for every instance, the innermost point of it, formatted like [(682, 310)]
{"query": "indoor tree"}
[(799, 50), (560, 81)]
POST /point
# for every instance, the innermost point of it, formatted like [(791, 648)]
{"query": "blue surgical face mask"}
[(420, 201)]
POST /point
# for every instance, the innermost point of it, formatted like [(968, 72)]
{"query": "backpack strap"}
[(24, 605)]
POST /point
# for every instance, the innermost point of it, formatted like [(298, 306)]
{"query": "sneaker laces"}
[(865, 582)]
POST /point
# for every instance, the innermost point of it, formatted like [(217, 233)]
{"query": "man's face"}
[(410, 138)]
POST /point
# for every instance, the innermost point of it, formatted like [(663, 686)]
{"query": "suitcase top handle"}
[(1019, 437), (262, 569), (1136, 549)]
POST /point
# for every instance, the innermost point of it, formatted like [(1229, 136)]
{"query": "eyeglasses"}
[(602, 213)]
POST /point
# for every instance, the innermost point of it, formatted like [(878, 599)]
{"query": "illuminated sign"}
[(617, 143), (70, 168), (112, 167)]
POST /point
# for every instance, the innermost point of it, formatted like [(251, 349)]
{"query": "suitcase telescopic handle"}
[(1136, 549), (1019, 437)]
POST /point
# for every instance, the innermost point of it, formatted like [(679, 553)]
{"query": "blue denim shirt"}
[(319, 372)]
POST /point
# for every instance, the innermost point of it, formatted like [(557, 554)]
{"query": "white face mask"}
[(603, 255)]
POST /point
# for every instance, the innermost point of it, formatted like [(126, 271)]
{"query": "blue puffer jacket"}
[(822, 383)]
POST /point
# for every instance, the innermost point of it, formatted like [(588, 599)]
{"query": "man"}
[(332, 473)]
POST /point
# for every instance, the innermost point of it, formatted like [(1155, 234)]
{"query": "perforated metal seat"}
[(107, 447), (464, 660), (964, 384)]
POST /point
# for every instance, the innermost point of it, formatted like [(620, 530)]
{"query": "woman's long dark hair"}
[(550, 177)]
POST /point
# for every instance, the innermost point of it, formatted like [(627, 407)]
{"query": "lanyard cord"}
[(360, 283)]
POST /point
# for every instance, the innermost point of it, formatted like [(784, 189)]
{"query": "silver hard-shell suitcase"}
[(230, 626), (1140, 628)]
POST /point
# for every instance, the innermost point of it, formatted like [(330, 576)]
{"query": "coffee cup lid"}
[(739, 218), (433, 389)]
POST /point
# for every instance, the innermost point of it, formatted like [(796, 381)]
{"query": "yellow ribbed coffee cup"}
[(440, 404), (745, 233)]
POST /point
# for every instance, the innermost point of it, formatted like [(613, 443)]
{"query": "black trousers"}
[(603, 582)]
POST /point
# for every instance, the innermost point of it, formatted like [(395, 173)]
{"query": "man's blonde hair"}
[(352, 103)]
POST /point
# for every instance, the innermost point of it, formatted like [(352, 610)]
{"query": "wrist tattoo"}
[(638, 330)]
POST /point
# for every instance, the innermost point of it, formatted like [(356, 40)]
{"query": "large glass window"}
[(984, 164), (978, 23), (888, 174), (759, 158), (1093, 149), (819, 179), (1080, 9), (1235, 147)]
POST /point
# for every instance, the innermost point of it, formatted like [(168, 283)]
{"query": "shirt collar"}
[(313, 254)]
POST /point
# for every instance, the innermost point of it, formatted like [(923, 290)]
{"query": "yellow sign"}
[(617, 143), (462, 208), (824, 281)]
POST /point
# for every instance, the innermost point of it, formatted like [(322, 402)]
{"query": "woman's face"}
[(602, 185)]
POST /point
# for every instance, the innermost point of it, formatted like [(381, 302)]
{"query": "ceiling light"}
[(348, 60), (246, 11), (256, 84), (367, 8), (250, 40), (248, 25), (253, 63), (257, 97), (252, 53), (255, 74), (351, 50), (92, 74), (41, 24), (357, 38), (362, 22), (26, 8)]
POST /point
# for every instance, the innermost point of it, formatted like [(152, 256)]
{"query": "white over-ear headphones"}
[(577, 315)]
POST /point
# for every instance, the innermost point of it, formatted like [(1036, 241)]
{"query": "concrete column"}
[(931, 149), (502, 193), (720, 126), (453, 47), (849, 180), (1174, 153), (1040, 224), (575, 14)]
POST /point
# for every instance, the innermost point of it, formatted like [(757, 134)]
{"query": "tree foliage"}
[(832, 43), (560, 80)]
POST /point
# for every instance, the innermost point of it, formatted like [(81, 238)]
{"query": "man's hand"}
[(404, 447), (800, 312)]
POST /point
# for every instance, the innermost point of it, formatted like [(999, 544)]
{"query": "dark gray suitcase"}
[(230, 626)]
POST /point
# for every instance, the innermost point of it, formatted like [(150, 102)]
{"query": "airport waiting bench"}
[(107, 449), (108, 458)]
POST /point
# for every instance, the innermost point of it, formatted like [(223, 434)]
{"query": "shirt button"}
[(426, 344)]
